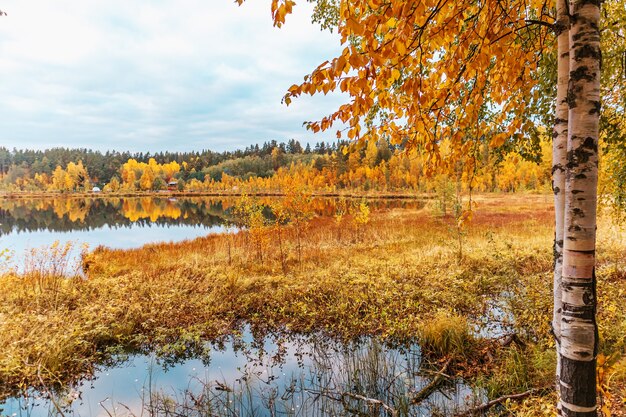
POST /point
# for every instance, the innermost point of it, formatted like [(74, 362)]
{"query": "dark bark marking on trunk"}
[(588, 298), (582, 73), (587, 51), (557, 254), (578, 385), (560, 26), (596, 107), (583, 284), (582, 313), (586, 252), (557, 167), (577, 212), (579, 382), (553, 333), (591, 33), (590, 143), (582, 154), (571, 98)]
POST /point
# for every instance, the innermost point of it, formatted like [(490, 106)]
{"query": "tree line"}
[(103, 166), (271, 167)]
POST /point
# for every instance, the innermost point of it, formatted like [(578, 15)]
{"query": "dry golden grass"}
[(387, 278)]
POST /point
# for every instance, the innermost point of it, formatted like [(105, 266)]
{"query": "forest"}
[(274, 167)]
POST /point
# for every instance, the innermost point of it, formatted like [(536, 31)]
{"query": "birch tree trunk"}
[(559, 162), (579, 331)]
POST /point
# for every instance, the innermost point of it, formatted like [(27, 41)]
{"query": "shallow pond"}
[(278, 376)]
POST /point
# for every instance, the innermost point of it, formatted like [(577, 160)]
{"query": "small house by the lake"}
[(96, 190), (172, 185)]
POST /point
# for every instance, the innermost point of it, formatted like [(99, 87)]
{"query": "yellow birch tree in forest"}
[(74, 177), (147, 179), (59, 181), (423, 71)]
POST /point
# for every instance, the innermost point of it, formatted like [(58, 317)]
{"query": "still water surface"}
[(114, 222), (278, 376)]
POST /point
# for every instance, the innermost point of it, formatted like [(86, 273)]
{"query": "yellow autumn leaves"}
[(429, 70)]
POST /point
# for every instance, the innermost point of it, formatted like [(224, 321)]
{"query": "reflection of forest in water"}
[(71, 214), (265, 374)]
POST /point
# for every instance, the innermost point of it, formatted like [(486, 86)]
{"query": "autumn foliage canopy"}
[(419, 72)]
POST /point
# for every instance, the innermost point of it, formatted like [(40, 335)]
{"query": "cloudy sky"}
[(148, 75)]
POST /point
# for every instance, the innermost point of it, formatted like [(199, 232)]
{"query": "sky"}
[(155, 75)]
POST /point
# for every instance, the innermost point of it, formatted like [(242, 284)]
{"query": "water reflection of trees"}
[(314, 376), (273, 374), (77, 214), (65, 215)]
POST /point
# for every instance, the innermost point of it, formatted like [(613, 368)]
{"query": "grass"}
[(397, 276), (446, 335)]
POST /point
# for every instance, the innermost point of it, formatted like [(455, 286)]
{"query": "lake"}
[(114, 222)]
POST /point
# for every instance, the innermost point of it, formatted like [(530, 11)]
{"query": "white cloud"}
[(154, 75)]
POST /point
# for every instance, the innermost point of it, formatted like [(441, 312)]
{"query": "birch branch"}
[(373, 401), (486, 406), (428, 389)]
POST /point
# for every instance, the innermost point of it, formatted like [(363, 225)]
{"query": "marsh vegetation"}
[(338, 271)]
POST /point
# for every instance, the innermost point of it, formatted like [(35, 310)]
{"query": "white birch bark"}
[(559, 161), (579, 337)]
